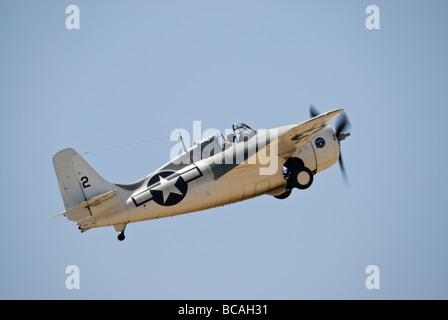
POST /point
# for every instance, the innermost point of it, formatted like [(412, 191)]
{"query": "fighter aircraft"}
[(214, 172)]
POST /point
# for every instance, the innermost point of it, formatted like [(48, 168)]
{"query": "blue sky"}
[(135, 72)]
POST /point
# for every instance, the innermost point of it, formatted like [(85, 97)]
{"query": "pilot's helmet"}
[(230, 137)]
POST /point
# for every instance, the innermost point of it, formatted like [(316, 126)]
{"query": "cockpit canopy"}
[(210, 146), (243, 132)]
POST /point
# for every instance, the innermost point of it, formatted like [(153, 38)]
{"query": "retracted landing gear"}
[(284, 195), (297, 176), (301, 178)]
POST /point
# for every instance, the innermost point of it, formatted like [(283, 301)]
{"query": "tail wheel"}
[(301, 178)]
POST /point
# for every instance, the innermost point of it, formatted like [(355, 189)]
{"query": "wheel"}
[(301, 178), (121, 237), (284, 195)]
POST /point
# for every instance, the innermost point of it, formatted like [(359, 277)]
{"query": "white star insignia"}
[(168, 187)]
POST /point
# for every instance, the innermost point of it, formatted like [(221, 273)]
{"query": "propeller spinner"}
[(342, 125)]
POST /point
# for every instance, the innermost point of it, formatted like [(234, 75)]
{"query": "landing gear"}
[(284, 195), (120, 228), (297, 175), (301, 178)]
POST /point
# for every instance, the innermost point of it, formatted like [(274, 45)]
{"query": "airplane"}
[(247, 164)]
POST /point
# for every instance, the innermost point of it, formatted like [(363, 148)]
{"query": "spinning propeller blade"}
[(313, 111), (342, 126), (341, 165)]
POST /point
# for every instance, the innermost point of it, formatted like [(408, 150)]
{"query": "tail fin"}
[(79, 183)]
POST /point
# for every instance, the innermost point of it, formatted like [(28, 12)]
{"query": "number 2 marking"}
[(84, 181)]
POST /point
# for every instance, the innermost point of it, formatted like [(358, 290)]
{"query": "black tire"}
[(301, 178), (283, 195), (121, 237)]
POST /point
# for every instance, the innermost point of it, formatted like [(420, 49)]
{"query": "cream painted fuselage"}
[(245, 170)]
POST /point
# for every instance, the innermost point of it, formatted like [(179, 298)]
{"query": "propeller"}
[(313, 111), (342, 125)]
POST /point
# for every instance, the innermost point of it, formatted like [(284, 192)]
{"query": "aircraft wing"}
[(288, 140), (297, 136)]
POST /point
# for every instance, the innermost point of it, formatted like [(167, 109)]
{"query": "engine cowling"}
[(322, 152)]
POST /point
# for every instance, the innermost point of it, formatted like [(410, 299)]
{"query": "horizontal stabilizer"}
[(96, 200), (76, 213), (58, 215)]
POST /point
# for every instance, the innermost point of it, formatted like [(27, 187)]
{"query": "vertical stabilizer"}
[(78, 181)]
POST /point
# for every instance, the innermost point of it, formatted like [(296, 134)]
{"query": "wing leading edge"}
[(281, 143), (300, 135)]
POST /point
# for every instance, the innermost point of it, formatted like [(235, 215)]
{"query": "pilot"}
[(229, 141)]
